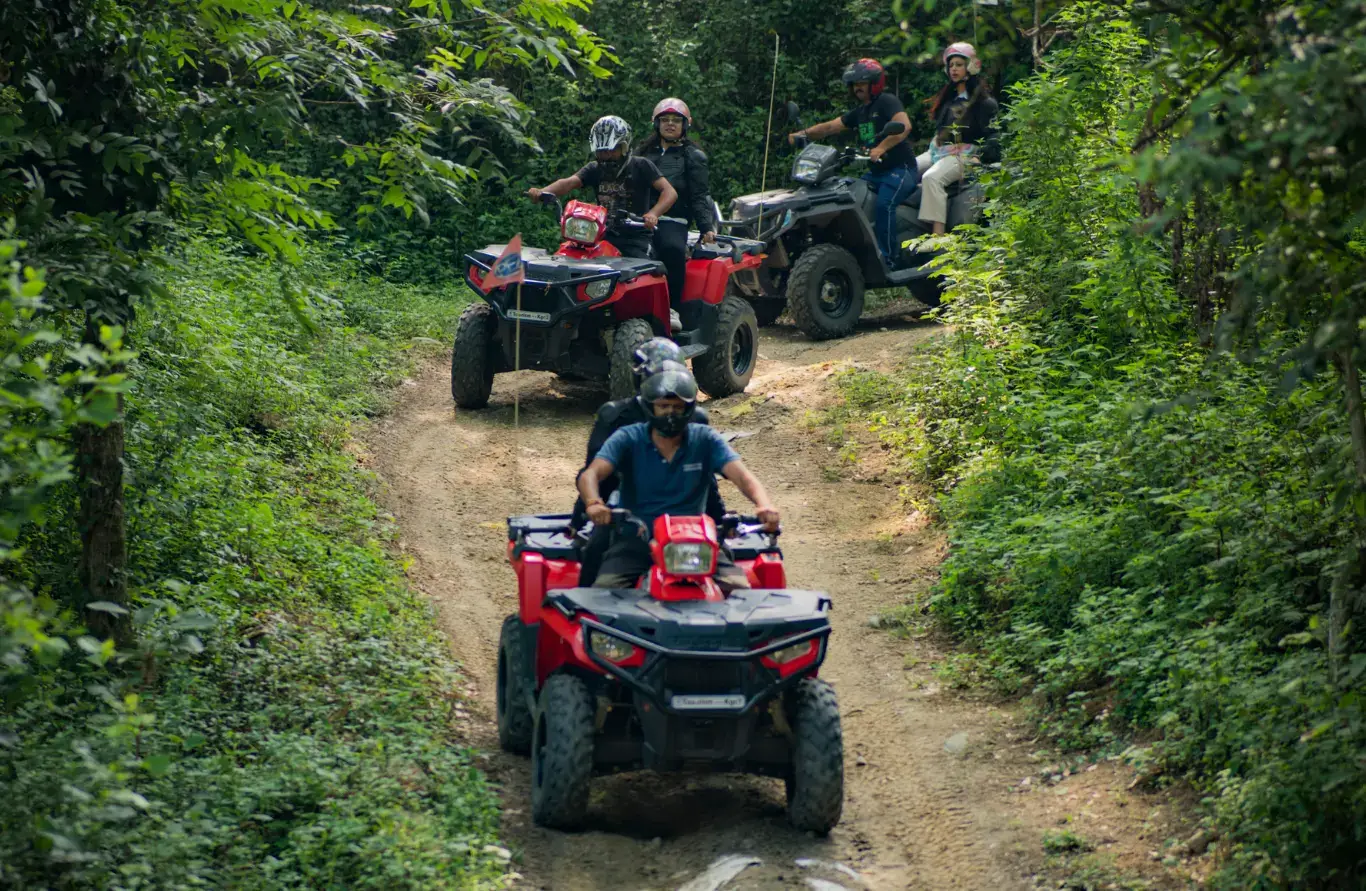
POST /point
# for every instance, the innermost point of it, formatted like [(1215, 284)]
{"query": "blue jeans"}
[(893, 187)]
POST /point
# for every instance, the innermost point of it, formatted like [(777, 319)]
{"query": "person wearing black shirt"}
[(684, 165), (623, 185), (893, 170), (963, 132)]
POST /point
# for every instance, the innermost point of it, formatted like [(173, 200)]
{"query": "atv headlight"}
[(688, 558), (581, 230), (805, 170), (597, 289), (788, 654), (613, 649)]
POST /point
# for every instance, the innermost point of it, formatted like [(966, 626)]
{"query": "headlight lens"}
[(806, 170), (690, 558), (581, 230), (597, 289), (612, 649), (796, 651)]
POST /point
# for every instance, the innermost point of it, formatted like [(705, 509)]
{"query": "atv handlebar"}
[(732, 525)]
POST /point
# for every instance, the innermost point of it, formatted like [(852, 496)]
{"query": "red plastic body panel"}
[(707, 279)]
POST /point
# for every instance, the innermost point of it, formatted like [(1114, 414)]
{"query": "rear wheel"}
[(471, 364), (815, 781), (629, 335), (562, 753), (825, 291), (515, 720), (728, 365)]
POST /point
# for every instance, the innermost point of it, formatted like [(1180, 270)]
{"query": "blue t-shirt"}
[(651, 486)]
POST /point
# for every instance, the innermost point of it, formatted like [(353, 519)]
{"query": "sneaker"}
[(675, 323)]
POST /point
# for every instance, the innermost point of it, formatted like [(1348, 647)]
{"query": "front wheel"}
[(471, 364), (727, 366), (815, 780), (562, 753), (825, 292), (515, 720), (629, 335)]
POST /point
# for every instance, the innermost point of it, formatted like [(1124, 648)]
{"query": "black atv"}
[(821, 247)]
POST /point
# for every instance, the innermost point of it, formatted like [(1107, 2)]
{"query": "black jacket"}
[(611, 417), (973, 124), (685, 167)]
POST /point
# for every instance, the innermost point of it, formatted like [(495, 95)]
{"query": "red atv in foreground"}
[(585, 309), (670, 675)]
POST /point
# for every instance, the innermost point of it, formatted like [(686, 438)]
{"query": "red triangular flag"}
[(507, 268)]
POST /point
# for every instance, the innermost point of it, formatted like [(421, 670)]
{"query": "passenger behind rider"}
[(963, 132), (893, 171), (684, 165), (622, 184), (651, 357), (666, 467)]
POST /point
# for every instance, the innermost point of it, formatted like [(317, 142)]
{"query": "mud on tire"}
[(515, 720), (621, 383), (825, 292), (471, 364), (727, 367), (562, 753), (815, 783)]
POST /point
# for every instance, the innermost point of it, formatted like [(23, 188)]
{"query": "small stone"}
[(957, 744), (1198, 843), (861, 761), (656, 842), (875, 621), (501, 853), (1026, 782)]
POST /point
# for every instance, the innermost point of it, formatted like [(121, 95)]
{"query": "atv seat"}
[(725, 246)]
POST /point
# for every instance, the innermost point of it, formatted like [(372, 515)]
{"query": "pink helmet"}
[(676, 106), (967, 52)]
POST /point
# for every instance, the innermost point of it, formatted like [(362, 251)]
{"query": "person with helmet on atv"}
[(893, 170), (666, 467), (684, 165), (651, 357), (964, 134), (623, 185)]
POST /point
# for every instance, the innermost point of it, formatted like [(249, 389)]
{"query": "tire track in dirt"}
[(915, 815)]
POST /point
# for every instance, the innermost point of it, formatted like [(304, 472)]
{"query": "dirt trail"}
[(917, 814)]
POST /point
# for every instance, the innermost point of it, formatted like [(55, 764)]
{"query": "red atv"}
[(585, 309), (670, 675)]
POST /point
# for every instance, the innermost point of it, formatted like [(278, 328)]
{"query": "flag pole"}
[(517, 363)]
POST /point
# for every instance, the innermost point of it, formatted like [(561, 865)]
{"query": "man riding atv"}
[(653, 357), (893, 169), (623, 185), (667, 466)]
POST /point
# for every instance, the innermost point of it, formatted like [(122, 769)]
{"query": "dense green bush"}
[(1144, 536), (284, 720)]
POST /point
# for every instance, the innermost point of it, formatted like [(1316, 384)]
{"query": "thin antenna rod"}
[(768, 139)]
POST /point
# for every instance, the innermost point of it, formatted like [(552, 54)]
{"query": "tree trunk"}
[(1346, 594), (1036, 52), (104, 549)]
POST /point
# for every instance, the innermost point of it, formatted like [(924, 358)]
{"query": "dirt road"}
[(933, 796)]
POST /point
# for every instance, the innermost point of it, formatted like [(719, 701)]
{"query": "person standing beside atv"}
[(963, 132), (666, 467), (623, 185), (893, 170), (684, 165)]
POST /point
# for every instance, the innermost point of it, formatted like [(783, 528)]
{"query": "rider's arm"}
[(751, 488), (699, 189), (559, 188), (597, 471), (667, 196), (900, 118), (825, 128)]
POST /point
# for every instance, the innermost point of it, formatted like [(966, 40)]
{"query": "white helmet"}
[(608, 133)]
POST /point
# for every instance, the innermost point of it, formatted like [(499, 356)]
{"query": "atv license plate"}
[(683, 701), (527, 315)]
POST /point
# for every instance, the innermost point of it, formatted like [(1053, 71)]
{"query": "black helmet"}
[(869, 71), (653, 352), (672, 379)]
